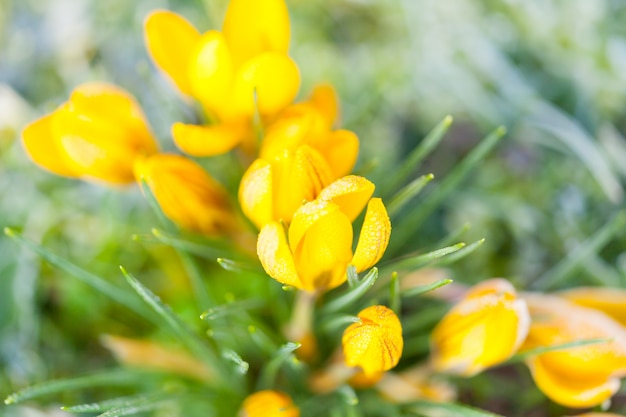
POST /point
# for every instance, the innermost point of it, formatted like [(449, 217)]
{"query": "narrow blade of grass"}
[(238, 266), (407, 193), (411, 222), (435, 409), (353, 294), (519, 357), (136, 409), (156, 207), (110, 378), (207, 251), (395, 301), (177, 326), (460, 254), (574, 259), (99, 284), (425, 147), (415, 262), (120, 402), (423, 289), (270, 371)]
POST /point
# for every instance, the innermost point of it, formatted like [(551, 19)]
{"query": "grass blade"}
[(411, 222), (417, 261), (269, 373), (462, 253), (407, 193), (435, 409), (99, 284), (353, 294), (423, 289), (519, 357), (111, 378), (120, 402), (207, 251)]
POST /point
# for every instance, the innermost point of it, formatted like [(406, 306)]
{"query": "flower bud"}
[(268, 403)]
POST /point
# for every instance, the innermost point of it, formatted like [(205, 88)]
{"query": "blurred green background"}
[(552, 71)]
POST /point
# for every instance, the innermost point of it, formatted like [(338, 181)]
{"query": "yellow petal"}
[(252, 27), (268, 403), (170, 40), (320, 236), (44, 149), (207, 140), (289, 131), (375, 344), (211, 72), (611, 301), (298, 177), (187, 194), (374, 236), (351, 193), (324, 99), (482, 330), (571, 392), (256, 193), (275, 256), (273, 79), (341, 151)]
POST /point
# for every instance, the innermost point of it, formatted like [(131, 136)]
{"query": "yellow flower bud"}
[(484, 329), (319, 248), (187, 194), (582, 376), (97, 134), (611, 301), (269, 403), (375, 343)]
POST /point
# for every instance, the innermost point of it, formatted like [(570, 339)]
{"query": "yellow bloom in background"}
[(97, 134), (611, 301), (582, 376), (273, 189), (269, 403), (310, 123), (375, 343), (187, 194), (232, 73), (315, 252), (484, 329)]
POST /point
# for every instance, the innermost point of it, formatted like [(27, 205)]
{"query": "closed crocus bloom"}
[(375, 343), (233, 73), (273, 189), (611, 301), (269, 403), (582, 376), (484, 329), (319, 248), (187, 194), (309, 123), (97, 134)]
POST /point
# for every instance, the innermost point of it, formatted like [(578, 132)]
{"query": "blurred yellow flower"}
[(577, 377), (319, 245), (611, 301), (97, 134), (269, 403), (232, 73), (187, 194), (375, 343), (484, 329)]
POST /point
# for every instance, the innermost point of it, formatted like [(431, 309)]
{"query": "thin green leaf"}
[(111, 378), (210, 250), (99, 284), (453, 236), (237, 266), (135, 409), (332, 324), (156, 207), (410, 223), (235, 307), (270, 371), (462, 253), (593, 245), (231, 355), (414, 262), (352, 294), (411, 163), (348, 395), (394, 293), (519, 357), (177, 326), (120, 402), (423, 289), (353, 277), (435, 409), (406, 194)]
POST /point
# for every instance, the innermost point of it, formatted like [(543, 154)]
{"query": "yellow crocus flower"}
[(315, 252), (97, 134), (273, 188), (484, 329), (611, 301), (232, 73), (582, 376), (187, 194), (374, 343), (269, 403)]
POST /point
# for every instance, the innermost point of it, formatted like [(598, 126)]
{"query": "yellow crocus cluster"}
[(491, 323), (235, 73)]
